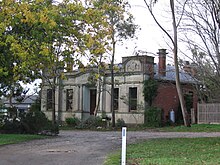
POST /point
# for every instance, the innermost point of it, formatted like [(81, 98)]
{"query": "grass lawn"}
[(181, 151), (193, 128), (16, 138)]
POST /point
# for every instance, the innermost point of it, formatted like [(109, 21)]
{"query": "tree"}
[(30, 36), (11, 51), (202, 22), (174, 41), (80, 28), (150, 90), (121, 26), (42, 37)]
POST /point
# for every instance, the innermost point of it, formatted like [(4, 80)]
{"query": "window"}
[(69, 99), (132, 99), (49, 99), (116, 94), (188, 101)]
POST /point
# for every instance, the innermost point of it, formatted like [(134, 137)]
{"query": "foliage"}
[(32, 122), (44, 38), (36, 106), (92, 123), (72, 121), (12, 126), (12, 111), (120, 123), (150, 90), (118, 17), (171, 151), (202, 22), (207, 73), (18, 43), (121, 26), (153, 117)]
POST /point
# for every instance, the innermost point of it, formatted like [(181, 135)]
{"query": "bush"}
[(120, 123), (153, 117), (12, 126), (92, 123), (31, 123), (50, 129), (72, 121), (35, 122)]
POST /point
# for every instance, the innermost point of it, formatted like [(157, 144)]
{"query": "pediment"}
[(133, 66)]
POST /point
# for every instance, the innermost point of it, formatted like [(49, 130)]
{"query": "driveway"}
[(77, 147)]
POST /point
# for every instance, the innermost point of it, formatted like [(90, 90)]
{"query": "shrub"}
[(31, 123), (72, 121), (153, 117), (150, 90), (51, 129), (120, 123), (35, 122), (12, 126), (92, 123)]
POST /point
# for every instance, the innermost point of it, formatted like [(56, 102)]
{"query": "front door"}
[(92, 101)]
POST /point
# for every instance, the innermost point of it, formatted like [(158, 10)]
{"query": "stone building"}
[(77, 95)]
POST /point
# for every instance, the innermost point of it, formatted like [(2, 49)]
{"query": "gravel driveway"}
[(77, 147)]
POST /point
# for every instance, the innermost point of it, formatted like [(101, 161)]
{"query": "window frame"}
[(116, 99), (49, 103), (132, 99), (69, 99)]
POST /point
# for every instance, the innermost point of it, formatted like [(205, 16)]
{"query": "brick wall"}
[(167, 98)]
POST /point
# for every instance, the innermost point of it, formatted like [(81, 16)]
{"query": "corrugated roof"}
[(171, 75)]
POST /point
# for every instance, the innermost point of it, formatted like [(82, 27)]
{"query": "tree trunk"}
[(53, 102), (99, 88), (178, 84), (112, 82), (98, 97)]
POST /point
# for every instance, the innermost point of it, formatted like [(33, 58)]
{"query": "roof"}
[(26, 103), (171, 75)]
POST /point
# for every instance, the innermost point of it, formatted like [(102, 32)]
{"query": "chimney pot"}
[(186, 63), (162, 62)]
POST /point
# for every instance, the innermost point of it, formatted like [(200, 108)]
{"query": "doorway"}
[(92, 101)]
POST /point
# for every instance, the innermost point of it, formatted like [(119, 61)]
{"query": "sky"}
[(150, 37)]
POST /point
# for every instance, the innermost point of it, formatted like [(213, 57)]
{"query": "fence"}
[(208, 113)]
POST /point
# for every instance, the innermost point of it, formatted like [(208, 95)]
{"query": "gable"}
[(133, 66)]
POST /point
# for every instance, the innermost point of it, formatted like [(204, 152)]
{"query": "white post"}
[(123, 151)]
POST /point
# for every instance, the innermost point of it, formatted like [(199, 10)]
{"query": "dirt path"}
[(77, 147)]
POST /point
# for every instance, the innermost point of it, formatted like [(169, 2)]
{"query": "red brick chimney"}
[(190, 68), (162, 62)]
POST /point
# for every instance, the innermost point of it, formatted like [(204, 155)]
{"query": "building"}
[(23, 105), (77, 95), (167, 98)]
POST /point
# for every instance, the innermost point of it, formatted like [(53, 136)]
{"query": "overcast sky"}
[(150, 37)]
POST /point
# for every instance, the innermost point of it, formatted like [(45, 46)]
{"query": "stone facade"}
[(77, 95), (128, 81)]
